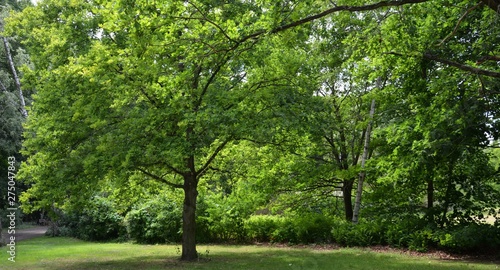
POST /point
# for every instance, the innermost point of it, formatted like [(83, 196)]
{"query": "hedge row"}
[(159, 221), (465, 238)]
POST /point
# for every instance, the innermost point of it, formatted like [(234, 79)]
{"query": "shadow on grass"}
[(67, 253), (268, 259)]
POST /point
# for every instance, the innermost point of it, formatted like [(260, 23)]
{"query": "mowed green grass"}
[(68, 253)]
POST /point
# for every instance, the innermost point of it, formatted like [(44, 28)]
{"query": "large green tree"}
[(443, 110), (158, 88), (144, 87)]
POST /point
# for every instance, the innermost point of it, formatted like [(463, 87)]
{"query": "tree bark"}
[(16, 78), (493, 4), (430, 200), (189, 252), (347, 194), (2, 242), (463, 67), (430, 193), (362, 174)]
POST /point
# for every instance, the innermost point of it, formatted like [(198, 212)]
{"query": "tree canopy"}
[(165, 91)]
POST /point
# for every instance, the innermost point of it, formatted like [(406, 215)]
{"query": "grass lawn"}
[(67, 253)]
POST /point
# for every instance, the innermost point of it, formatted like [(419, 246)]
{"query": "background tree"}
[(12, 104), (441, 116)]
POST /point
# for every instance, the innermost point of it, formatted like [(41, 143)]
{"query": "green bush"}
[(220, 219), (422, 240), (285, 233), (294, 229), (227, 223), (155, 221), (203, 233), (407, 232), (260, 228), (397, 235), (471, 238), (362, 234), (313, 228), (97, 221)]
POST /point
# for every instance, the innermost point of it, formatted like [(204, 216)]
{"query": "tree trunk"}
[(189, 252), (493, 4), (430, 201), (2, 242), (430, 194), (362, 174), (347, 193), (16, 78)]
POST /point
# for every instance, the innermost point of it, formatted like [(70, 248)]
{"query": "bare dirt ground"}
[(23, 234)]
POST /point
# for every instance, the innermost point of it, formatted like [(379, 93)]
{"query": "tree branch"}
[(160, 179), (488, 58), (219, 148), (330, 11), (3, 87), (459, 22), (204, 18), (462, 66), (210, 80)]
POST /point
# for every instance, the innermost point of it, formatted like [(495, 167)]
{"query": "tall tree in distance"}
[(12, 104)]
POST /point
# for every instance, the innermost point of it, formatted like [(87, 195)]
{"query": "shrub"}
[(100, 222), (220, 219), (313, 228), (422, 240), (260, 228), (406, 231), (294, 229), (226, 223), (97, 221), (285, 233), (397, 235), (471, 237), (156, 221), (362, 234)]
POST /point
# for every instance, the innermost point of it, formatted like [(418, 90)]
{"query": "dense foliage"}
[(259, 112)]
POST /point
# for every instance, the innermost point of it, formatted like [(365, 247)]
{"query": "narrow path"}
[(24, 234)]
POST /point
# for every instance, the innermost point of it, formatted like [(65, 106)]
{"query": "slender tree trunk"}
[(448, 194), (189, 252), (430, 194), (362, 174), (2, 242), (430, 201), (347, 193), (3, 87), (16, 78)]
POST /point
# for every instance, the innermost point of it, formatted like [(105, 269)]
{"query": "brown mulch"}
[(432, 254), (439, 254)]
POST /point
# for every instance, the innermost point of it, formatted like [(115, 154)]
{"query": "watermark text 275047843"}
[(12, 209)]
